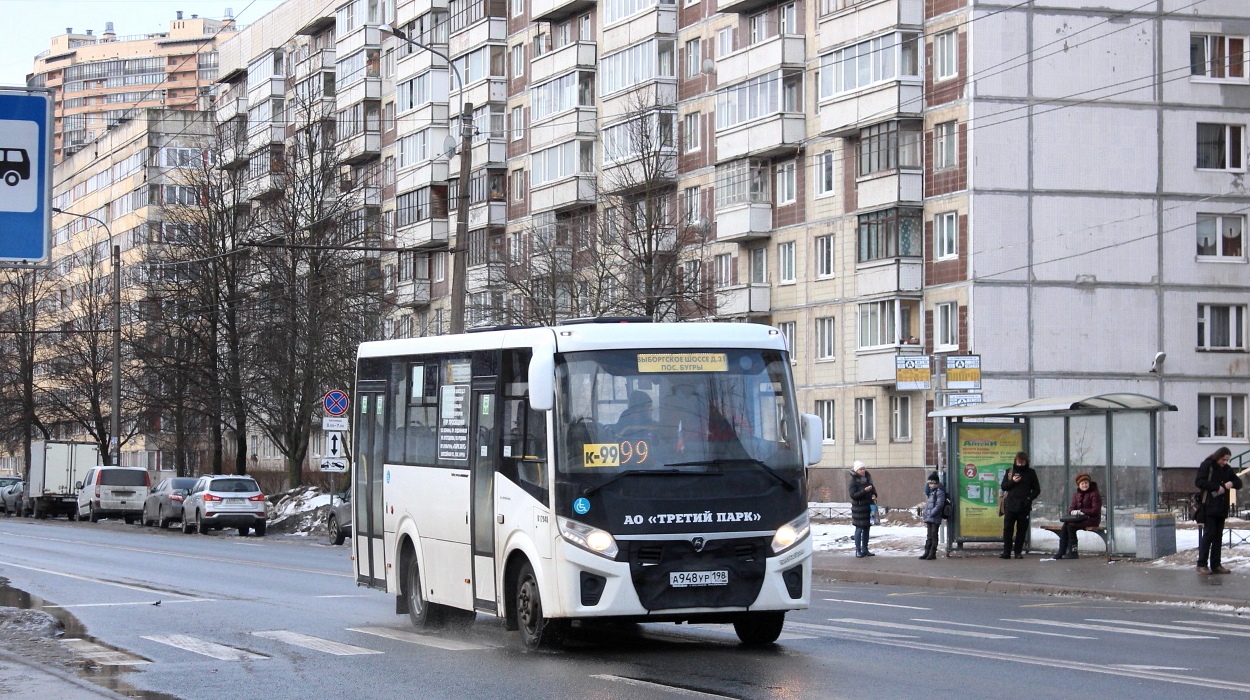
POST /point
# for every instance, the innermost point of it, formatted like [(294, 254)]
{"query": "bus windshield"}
[(638, 411)]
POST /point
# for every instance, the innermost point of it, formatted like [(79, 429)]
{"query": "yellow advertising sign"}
[(985, 455), (683, 362)]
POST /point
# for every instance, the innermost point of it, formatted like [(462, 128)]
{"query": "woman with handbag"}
[(863, 496), (1085, 511), (1215, 479)]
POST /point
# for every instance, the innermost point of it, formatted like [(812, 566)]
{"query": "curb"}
[(60, 675), (890, 578)]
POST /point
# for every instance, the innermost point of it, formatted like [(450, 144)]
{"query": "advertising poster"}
[(984, 454)]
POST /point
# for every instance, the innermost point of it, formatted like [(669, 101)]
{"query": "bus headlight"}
[(791, 533), (591, 539)]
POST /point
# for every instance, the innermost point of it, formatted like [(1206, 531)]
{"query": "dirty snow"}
[(300, 511)]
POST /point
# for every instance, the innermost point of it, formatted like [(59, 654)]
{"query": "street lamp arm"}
[(388, 29)]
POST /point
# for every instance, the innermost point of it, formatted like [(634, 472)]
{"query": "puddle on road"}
[(112, 677)]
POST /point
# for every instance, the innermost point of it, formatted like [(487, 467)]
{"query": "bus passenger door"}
[(367, 518), (482, 454)]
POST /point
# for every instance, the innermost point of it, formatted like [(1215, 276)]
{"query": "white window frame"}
[(693, 53), (723, 269), (866, 419), (788, 330), (826, 338), (946, 235), (824, 257), (1234, 137), (1223, 61), (518, 7), (692, 204), (691, 132), (900, 418), (946, 326), (825, 182), (439, 273), (518, 60), (788, 19), (946, 55), (827, 409), (785, 262), (725, 41), (518, 123), (758, 259), (945, 145), (1219, 224), (787, 183), (1234, 411), (1234, 320)]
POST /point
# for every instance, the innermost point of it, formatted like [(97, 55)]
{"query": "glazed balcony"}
[(316, 62), (264, 89), (556, 10), (488, 30), (890, 187), (563, 126), (360, 146), (658, 19), (364, 36), (772, 135), (363, 89), (579, 54), (230, 106), (570, 192), (740, 223), (780, 51), (846, 114), (412, 293), (427, 233), (877, 365), (426, 173), (744, 300), (889, 276), (867, 19), (486, 214)]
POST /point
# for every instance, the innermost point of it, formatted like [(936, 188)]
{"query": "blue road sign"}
[(335, 402), (25, 177)]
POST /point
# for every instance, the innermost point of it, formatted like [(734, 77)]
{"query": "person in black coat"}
[(932, 516), (1215, 479), (862, 494), (1021, 488)]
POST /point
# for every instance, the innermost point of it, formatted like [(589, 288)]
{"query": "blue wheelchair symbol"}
[(581, 506)]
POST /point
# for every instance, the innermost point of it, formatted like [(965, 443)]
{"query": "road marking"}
[(846, 630), (314, 643), (141, 589), (140, 602), (1217, 625), (423, 640), (718, 630), (684, 692), (1054, 605), (220, 652), (882, 605), (1136, 667), (1107, 628), (921, 628), (249, 544), (342, 596), (1174, 628), (103, 655), (1002, 629)]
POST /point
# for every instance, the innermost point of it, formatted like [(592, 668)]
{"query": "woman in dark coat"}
[(1022, 488), (1215, 479), (862, 493), (1086, 501)]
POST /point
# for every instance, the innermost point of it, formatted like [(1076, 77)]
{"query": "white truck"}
[(55, 467)]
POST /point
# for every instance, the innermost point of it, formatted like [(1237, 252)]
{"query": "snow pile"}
[(29, 623), (299, 511)]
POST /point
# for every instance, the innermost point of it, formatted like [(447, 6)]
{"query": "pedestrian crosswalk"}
[(288, 638)]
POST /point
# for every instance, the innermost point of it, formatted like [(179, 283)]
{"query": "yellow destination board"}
[(683, 362)]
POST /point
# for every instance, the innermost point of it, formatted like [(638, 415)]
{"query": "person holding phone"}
[(1020, 487), (1216, 479)]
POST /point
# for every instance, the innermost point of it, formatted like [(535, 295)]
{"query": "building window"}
[(439, 265), (691, 132), (725, 41), (945, 153), (651, 59), (900, 418), (785, 262), (1220, 147), (759, 265), (758, 97), (1217, 57), (1221, 327), (879, 60), (788, 19), (825, 349), (888, 234), (1222, 416), (518, 123), (694, 58), (518, 61), (946, 325), (824, 256), (518, 8), (865, 420), (946, 55), (724, 270), (1220, 236), (824, 174), (692, 205), (517, 185), (787, 185), (888, 146), (828, 423), (787, 329), (946, 235), (742, 182), (888, 322)]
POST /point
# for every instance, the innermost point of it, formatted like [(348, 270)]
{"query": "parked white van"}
[(110, 492)]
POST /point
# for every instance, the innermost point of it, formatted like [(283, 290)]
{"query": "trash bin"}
[(1156, 534)]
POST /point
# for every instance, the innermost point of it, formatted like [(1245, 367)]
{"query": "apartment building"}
[(97, 81), (1053, 187)]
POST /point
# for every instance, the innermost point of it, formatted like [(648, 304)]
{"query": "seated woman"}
[(1086, 501)]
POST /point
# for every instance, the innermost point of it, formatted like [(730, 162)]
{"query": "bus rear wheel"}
[(424, 615), (760, 627), (536, 630)]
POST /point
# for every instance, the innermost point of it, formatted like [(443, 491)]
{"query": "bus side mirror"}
[(542, 380), (813, 438)]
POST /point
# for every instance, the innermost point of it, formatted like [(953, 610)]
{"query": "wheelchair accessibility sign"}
[(25, 177)]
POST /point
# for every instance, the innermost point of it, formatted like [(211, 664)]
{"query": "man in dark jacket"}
[(1215, 479), (1021, 488)]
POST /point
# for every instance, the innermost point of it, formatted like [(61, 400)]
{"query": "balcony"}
[(579, 54), (891, 187), (412, 293), (427, 233), (658, 19), (421, 175), (562, 126), (231, 105), (773, 135), (844, 115), (768, 55), (657, 92), (490, 151), (744, 222), (315, 62), (368, 196), (576, 191), (889, 276), (262, 90), (266, 186), (484, 276), (365, 89), (483, 91), (651, 170), (488, 30), (231, 157), (485, 214), (877, 365), (744, 300), (362, 37), (864, 19), (264, 135), (360, 146), (556, 10), (741, 6), (418, 62)]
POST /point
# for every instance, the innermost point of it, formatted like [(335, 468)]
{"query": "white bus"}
[(643, 472)]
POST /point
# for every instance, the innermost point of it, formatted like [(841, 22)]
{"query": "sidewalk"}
[(1092, 576), (22, 678)]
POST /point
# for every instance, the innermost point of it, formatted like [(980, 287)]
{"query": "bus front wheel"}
[(423, 614), (760, 627), (536, 630)]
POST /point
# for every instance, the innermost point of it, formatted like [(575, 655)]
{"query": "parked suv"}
[(339, 517), (224, 501), (110, 492)]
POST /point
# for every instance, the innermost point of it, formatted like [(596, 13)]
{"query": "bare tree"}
[(24, 292)]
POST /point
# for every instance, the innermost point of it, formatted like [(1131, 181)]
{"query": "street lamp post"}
[(460, 253), (111, 456)]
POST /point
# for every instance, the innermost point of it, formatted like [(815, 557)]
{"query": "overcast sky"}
[(28, 25)]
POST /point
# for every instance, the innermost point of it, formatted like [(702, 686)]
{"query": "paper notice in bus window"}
[(595, 455), (683, 362)]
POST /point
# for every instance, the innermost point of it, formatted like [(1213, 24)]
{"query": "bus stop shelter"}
[(1112, 437)]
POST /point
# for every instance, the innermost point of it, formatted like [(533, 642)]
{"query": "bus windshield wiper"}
[(739, 460), (591, 490)]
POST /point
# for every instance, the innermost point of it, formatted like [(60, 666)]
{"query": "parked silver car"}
[(218, 501), (164, 505), (11, 496), (339, 517)]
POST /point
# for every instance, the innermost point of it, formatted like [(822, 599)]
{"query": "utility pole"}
[(460, 259)]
